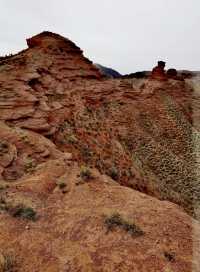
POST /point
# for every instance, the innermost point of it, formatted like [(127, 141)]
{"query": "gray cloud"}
[(127, 35)]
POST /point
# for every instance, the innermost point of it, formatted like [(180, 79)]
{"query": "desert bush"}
[(116, 220), (113, 173), (23, 212), (19, 210), (85, 173)]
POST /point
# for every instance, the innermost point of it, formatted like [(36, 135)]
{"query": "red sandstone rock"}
[(158, 72), (57, 115)]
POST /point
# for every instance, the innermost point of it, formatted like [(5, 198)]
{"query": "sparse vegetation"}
[(19, 210), (113, 173), (85, 173), (23, 212), (116, 220), (167, 150)]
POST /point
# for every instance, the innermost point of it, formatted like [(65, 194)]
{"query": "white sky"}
[(128, 35)]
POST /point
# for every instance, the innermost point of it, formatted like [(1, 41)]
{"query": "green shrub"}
[(85, 173), (23, 212), (115, 220), (18, 210)]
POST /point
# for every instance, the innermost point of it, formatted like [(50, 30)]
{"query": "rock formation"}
[(172, 73), (158, 72), (95, 174)]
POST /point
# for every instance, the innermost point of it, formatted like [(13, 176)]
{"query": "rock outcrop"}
[(95, 174), (158, 72), (31, 79), (172, 73)]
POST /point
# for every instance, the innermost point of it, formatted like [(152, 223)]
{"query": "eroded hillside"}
[(85, 162)]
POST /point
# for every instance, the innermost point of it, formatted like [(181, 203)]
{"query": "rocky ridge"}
[(86, 162)]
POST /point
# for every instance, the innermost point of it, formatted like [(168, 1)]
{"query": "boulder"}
[(172, 73)]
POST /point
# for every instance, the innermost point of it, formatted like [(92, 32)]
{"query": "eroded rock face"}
[(51, 90), (68, 139), (34, 80)]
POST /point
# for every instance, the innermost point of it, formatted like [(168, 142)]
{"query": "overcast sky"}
[(128, 35)]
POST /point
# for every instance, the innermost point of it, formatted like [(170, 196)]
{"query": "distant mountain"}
[(142, 74), (109, 72)]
